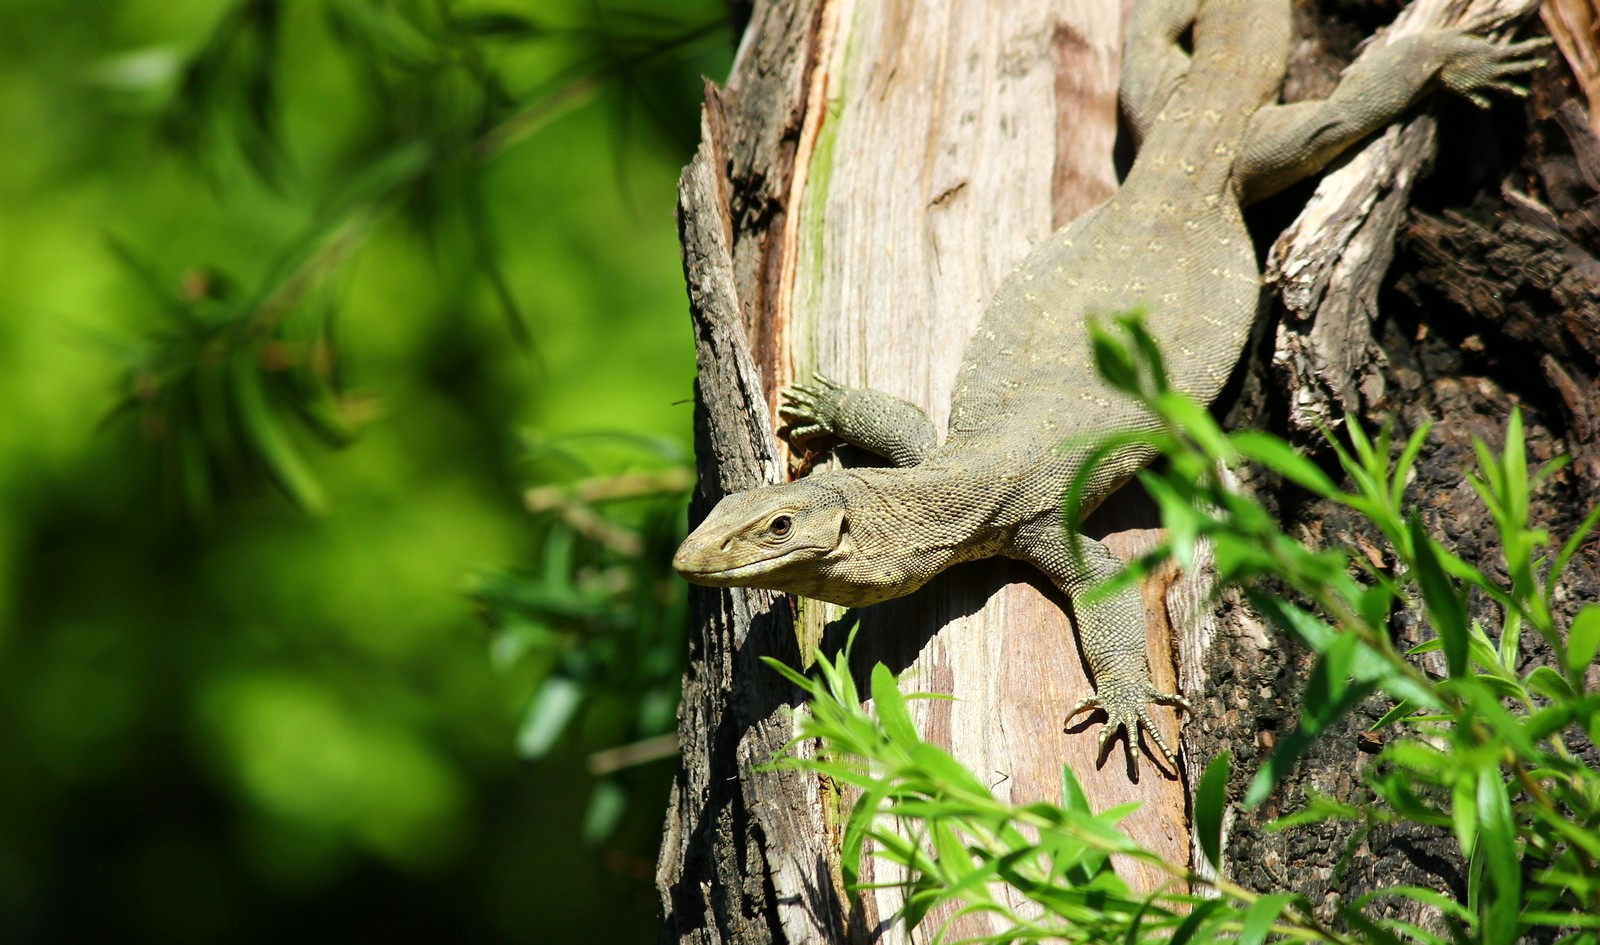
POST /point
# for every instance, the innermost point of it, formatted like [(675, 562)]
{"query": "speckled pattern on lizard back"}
[(1172, 241)]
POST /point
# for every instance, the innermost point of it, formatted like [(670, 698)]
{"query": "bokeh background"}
[(345, 407)]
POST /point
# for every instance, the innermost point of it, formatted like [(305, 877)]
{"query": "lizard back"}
[(1171, 241)]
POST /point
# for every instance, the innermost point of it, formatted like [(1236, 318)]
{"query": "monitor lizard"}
[(1172, 241)]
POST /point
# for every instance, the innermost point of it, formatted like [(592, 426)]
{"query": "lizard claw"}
[(1476, 65), (1127, 706), (812, 409)]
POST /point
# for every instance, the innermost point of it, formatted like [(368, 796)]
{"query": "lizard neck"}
[(903, 527)]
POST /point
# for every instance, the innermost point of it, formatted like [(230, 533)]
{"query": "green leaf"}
[(805, 683), (262, 424), (607, 804), (1400, 710), (1430, 897), (1464, 812), (499, 23), (1210, 804), (1571, 920), (1447, 611), (1112, 361), (1319, 807), (1371, 931), (1570, 548), (1329, 696), (1402, 466), (1195, 422), (1192, 923), (1146, 347), (1551, 684), (1258, 921), (891, 707), (1178, 516), (547, 716), (1503, 688), (1073, 800), (1278, 456), (1503, 865), (1583, 640)]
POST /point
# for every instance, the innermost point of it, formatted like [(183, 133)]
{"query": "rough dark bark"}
[(1489, 301)]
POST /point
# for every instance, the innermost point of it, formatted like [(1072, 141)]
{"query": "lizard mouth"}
[(692, 567)]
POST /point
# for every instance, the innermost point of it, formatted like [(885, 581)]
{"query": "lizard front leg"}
[(1285, 143), (877, 422), (1111, 632)]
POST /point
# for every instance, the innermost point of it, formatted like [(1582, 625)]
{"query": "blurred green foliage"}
[(428, 232)]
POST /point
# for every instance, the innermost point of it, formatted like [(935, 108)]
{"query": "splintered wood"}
[(1575, 26)]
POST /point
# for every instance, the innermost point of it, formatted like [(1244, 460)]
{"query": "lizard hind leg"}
[(875, 421), (1110, 633), (1127, 707)]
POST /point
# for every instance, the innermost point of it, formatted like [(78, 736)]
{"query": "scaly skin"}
[(1172, 240)]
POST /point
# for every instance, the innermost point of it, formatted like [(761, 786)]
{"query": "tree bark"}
[(866, 177)]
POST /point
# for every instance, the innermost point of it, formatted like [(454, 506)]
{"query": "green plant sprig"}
[(1482, 751)]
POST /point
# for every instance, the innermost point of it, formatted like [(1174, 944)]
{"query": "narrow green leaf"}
[(1570, 548), (1112, 361), (1194, 921), (1210, 804), (1328, 697), (547, 716), (1360, 445), (1583, 640), (1502, 863), (1278, 456), (805, 683), (1571, 920), (1073, 800), (1551, 684), (1514, 462), (1402, 466), (276, 449), (1319, 807), (1178, 516), (607, 803), (1431, 897), (1447, 611), (1196, 423), (1258, 920), (1146, 347), (1502, 688), (1464, 812), (891, 707), (1400, 710)]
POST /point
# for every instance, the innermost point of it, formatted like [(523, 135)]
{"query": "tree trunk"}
[(866, 177)]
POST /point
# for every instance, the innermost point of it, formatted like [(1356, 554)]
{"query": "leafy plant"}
[(1494, 751), (244, 363), (600, 613)]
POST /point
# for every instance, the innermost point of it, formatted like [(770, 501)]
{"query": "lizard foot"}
[(1127, 705), (1475, 65), (811, 409)]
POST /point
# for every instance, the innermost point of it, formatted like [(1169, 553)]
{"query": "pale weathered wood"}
[(919, 151), (949, 128)]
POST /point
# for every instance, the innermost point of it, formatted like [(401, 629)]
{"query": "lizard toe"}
[(1127, 709)]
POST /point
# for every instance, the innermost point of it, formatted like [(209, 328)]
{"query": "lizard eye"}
[(780, 526)]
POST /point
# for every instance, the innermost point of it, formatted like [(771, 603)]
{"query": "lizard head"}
[(784, 538)]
